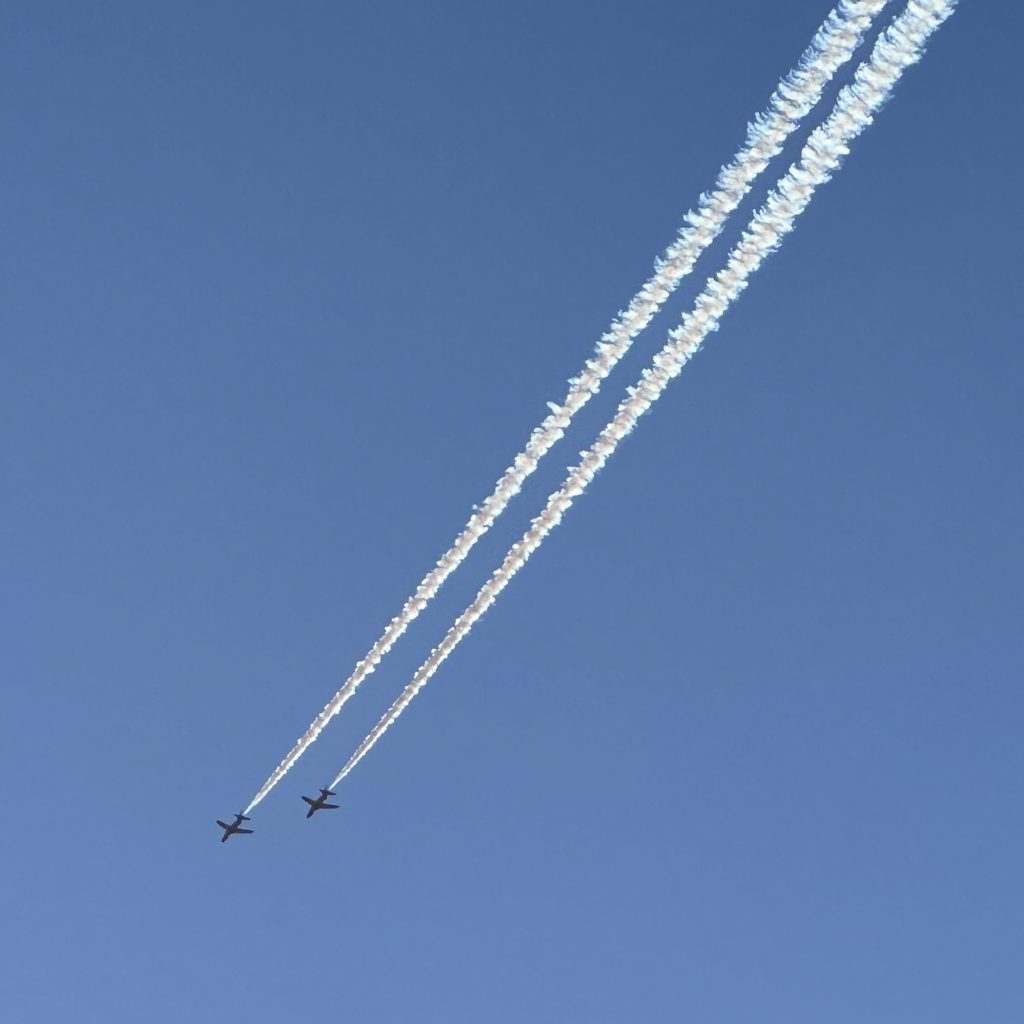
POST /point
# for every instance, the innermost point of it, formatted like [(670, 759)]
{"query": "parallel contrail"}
[(797, 93), (896, 49)]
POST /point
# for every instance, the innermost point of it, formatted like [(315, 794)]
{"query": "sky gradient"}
[(283, 292)]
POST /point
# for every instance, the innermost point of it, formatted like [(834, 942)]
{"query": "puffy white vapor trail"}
[(897, 48), (797, 93)]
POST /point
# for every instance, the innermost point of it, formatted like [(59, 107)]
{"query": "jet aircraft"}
[(234, 828), (320, 803)]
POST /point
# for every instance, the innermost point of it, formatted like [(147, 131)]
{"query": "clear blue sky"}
[(284, 287)]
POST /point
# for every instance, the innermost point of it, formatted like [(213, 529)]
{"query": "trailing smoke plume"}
[(795, 96), (896, 49)]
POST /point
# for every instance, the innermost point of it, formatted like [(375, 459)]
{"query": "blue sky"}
[(283, 291)]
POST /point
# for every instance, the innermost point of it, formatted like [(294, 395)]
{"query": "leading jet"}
[(234, 829), (320, 803)]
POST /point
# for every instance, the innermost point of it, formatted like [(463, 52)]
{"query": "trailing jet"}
[(320, 803), (234, 828)]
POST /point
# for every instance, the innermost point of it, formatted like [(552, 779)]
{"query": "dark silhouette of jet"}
[(320, 803), (233, 829)]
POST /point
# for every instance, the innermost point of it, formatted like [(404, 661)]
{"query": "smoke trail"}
[(795, 96), (896, 49)]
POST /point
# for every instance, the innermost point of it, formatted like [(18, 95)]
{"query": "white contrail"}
[(797, 93), (897, 48)]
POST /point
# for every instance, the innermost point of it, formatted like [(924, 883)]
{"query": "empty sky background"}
[(284, 288)]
